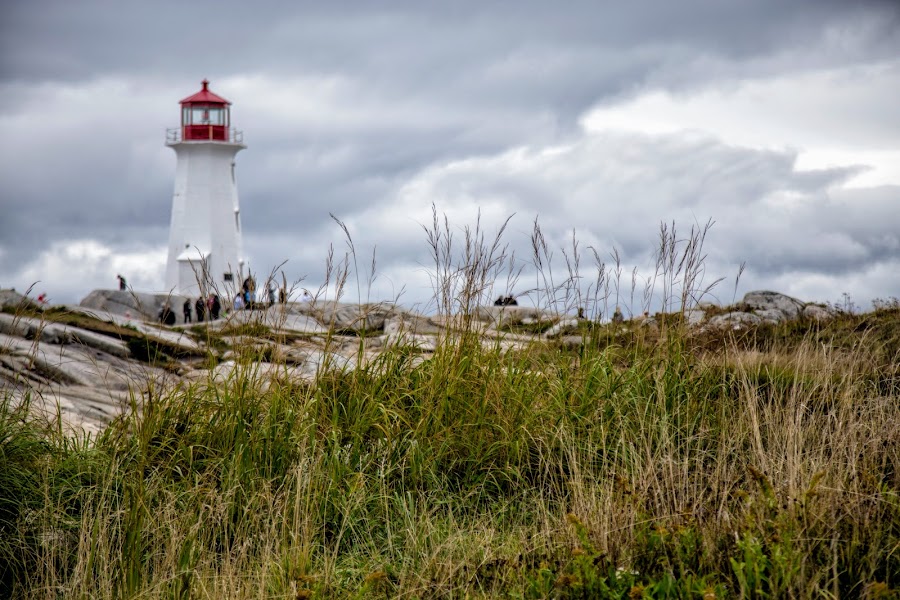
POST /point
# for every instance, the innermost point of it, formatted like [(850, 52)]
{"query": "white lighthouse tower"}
[(205, 230)]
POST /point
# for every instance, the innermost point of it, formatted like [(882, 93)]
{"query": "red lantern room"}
[(205, 116)]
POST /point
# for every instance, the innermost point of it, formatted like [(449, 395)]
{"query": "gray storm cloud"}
[(374, 114)]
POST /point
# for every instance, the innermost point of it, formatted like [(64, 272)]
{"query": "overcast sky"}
[(776, 120)]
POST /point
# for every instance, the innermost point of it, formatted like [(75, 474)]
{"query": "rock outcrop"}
[(87, 363), (512, 315), (356, 318), (11, 299), (767, 307), (773, 303), (130, 304), (562, 328)]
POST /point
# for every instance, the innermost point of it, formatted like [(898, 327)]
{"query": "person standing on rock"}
[(249, 289), (166, 315), (187, 310), (617, 317), (122, 284), (215, 308), (200, 308)]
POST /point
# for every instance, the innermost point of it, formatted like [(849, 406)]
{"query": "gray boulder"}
[(34, 329), (511, 315), (564, 327), (15, 326), (773, 316), (340, 316), (694, 316), (12, 299), (419, 333), (734, 320), (413, 324), (176, 340), (311, 361), (818, 312), (276, 317), (773, 301), (74, 364), (300, 364), (134, 305)]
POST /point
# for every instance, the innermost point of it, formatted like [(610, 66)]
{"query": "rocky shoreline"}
[(90, 362)]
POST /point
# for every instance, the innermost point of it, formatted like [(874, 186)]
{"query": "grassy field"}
[(661, 463), (682, 466)]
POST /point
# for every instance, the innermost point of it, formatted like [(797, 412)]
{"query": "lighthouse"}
[(205, 229)]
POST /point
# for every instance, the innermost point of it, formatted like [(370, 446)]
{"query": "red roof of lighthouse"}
[(205, 96)]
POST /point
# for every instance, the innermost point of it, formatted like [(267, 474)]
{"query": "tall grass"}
[(631, 466)]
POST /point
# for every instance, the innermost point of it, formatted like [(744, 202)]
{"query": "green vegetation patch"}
[(247, 329), (629, 467), (535, 328)]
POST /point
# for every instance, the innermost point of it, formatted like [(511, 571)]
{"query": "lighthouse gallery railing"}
[(174, 136)]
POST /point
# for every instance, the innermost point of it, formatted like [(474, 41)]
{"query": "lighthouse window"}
[(206, 115)]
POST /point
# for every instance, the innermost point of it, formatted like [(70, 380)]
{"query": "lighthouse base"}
[(193, 273)]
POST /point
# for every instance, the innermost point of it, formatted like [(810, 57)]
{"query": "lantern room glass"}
[(204, 115)]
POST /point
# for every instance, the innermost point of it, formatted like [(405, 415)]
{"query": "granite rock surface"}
[(83, 365)]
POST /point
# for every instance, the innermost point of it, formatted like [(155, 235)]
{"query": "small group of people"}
[(202, 306), (247, 296), (211, 305), (505, 301)]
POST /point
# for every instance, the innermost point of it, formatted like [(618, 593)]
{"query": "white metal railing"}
[(173, 136)]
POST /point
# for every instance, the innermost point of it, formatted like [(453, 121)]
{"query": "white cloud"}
[(96, 266), (838, 117), (615, 188)]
